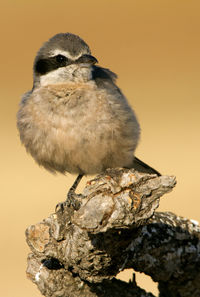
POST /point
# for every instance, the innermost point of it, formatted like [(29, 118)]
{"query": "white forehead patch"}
[(64, 53)]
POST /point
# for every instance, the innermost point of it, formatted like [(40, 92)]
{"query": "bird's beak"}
[(87, 59)]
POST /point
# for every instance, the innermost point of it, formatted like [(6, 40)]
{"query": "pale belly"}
[(83, 132)]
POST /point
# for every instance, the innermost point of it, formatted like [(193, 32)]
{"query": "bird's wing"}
[(105, 79)]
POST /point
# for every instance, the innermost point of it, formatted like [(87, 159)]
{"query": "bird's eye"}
[(61, 58)]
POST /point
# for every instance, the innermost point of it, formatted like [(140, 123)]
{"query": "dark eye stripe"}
[(43, 66)]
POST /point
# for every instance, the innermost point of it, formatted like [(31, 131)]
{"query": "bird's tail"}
[(143, 167)]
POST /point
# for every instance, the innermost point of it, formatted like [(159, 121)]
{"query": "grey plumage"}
[(76, 119), (64, 42)]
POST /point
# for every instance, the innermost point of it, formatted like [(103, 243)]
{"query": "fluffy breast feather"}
[(78, 128)]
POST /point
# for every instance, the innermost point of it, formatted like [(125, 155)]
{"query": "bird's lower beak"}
[(87, 59)]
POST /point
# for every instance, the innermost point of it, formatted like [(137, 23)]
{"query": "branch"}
[(78, 253)]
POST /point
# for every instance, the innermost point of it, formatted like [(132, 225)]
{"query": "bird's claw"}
[(71, 201), (60, 206)]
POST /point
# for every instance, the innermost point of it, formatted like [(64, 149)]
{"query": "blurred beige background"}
[(154, 47)]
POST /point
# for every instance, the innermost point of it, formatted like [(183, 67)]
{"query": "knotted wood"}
[(79, 252)]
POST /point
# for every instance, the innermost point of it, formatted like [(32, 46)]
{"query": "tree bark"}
[(115, 226)]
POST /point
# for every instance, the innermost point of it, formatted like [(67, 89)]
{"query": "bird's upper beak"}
[(87, 59)]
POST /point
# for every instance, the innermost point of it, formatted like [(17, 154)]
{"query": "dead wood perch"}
[(78, 253)]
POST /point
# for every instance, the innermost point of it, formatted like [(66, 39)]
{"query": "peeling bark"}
[(78, 253)]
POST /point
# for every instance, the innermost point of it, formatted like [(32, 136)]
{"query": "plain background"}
[(154, 48)]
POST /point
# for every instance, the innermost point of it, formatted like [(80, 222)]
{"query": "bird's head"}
[(63, 58)]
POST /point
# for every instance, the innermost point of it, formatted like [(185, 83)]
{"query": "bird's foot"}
[(73, 201), (61, 206)]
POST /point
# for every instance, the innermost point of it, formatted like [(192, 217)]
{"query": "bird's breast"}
[(73, 106), (77, 128)]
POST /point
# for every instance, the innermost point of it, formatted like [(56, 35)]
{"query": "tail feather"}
[(143, 167)]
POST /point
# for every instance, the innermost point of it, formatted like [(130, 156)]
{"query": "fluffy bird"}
[(75, 119)]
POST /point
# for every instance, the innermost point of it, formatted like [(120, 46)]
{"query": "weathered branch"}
[(77, 253)]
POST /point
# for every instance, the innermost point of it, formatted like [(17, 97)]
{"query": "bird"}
[(76, 119)]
